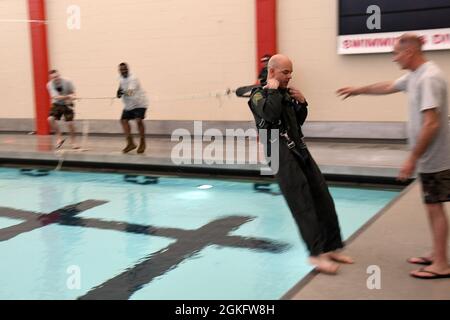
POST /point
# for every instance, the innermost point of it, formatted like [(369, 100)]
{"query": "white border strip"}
[(23, 21), (435, 39)]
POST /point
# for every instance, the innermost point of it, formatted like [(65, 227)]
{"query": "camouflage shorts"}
[(436, 186)]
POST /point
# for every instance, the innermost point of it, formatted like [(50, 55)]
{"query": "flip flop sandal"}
[(434, 275), (420, 260)]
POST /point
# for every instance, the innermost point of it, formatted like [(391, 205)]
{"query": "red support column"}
[(266, 29), (38, 34)]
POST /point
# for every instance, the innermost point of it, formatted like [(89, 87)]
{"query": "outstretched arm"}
[(373, 89)]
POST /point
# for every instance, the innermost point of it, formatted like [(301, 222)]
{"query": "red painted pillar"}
[(38, 34), (266, 29)]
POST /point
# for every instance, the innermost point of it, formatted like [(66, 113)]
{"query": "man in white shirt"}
[(429, 140), (135, 105), (62, 93)]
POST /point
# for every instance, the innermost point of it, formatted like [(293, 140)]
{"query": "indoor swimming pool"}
[(84, 235)]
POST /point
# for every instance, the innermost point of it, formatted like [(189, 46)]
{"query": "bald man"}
[(277, 106), (426, 88)]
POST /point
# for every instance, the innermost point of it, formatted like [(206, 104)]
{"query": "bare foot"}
[(324, 264), (339, 257)]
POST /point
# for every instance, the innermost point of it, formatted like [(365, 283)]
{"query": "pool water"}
[(69, 235)]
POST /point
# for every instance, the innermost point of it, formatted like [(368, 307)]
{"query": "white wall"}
[(16, 75), (183, 51), (308, 34), (186, 51)]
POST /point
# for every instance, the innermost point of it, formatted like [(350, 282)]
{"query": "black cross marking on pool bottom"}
[(187, 244)]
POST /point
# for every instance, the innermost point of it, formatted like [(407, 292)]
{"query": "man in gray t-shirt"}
[(428, 131), (426, 88), (62, 93)]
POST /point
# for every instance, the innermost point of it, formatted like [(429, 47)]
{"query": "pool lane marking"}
[(188, 243), (34, 220)]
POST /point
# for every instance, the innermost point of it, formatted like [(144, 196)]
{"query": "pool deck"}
[(370, 159), (398, 232)]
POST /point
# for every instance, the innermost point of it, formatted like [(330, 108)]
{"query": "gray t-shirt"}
[(138, 99), (426, 88), (66, 86)]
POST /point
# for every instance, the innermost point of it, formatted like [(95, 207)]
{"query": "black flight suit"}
[(300, 179)]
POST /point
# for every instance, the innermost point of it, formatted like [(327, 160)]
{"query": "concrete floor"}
[(362, 159), (400, 231)]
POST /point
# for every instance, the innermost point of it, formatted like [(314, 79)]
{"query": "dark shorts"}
[(436, 186), (138, 113), (57, 111)]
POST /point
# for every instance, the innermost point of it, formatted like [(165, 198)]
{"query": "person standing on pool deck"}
[(135, 105), (426, 88), (62, 93)]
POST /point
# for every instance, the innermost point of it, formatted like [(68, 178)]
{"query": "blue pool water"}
[(73, 235)]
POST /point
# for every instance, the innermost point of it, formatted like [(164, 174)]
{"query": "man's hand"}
[(272, 84), (69, 98), (297, 95), (407, 169), (348, 92)]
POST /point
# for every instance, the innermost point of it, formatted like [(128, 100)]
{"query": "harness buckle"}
[(291, 144)]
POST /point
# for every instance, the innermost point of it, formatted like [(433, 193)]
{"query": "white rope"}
[(95, 98), (84, 135), (218, 94), (198, 96), (60, 155), (23, 21), (98, 98)]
